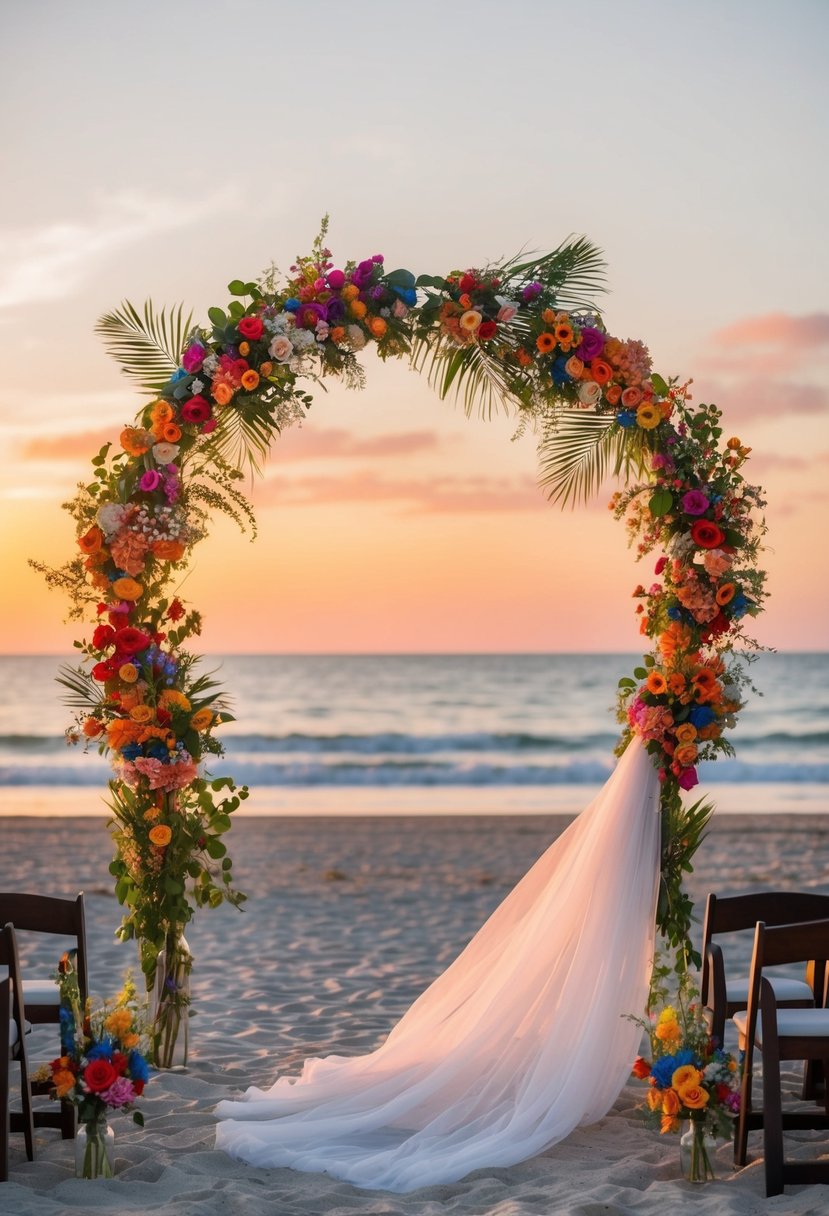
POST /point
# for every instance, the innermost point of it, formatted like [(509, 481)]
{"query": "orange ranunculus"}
[(656, 683), (142, 714), (601, 371), (669, 1124), (357, 309), (265, 368), (686, 1074), (676, 683), (641, 1068), (91, 541), (171, 697), (201, 719), (545, 343), (135, 441), (244, 349), (121, 731), (726, 593), (250, 380), (161, 835), (686, 733), (161, 411), (377, 326), (92, 728), (670, 1102), (222, 393), (686, 754), (548, 316), (170, 433), (694, 1096), (127, 589), (128, 673), (168, 550)]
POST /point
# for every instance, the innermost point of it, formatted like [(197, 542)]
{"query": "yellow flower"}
[(686, 1075), (654, 1099), (161, 835), (648, 416), (118, 1022), (63, 1081), (670, 1102), (694, 1097), (130, 1040), (142, 714), (357, 309), (128, 673), (201, 719), (171, 697), (127, 589)]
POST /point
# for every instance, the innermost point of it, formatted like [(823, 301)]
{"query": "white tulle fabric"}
[(520, 1040)]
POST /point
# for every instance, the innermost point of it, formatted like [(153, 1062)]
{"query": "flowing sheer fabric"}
[(520, 1040)]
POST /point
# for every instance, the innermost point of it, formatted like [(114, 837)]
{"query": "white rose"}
[(303, 338), (211, 363), (165, 453), (589, 392), (110, 517), (196, 387), (281, 348)]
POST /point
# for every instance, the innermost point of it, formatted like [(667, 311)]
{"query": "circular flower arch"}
[(525, 335)]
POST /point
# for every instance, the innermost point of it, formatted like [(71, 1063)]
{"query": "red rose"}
[(487, 329), (99, 1075), (713, 629), (707, 535), (130, 640), (102, 672), (468, 283), (251, 328), (119, 1062), (164, 717), (102, 636), (197, 409)]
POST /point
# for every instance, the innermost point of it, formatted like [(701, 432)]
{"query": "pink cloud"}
[(776, 329), (67, 447), (746, 397), (435, 494), (307, 443)]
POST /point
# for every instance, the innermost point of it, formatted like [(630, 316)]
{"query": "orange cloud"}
[(750, 397), (68, 447), (307, 443), (776, 329)]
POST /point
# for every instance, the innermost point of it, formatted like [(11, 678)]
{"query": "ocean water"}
[(430, 734)]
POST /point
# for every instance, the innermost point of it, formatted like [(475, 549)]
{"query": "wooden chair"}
[(804, 1030), (13, 1029), (722, 997), (64, 918)]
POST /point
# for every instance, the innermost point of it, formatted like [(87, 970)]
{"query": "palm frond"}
[(243, 437), (575, 452), (148, 346), (83, 692), (575, 271)]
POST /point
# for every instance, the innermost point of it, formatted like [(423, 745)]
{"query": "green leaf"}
[(148, 346), (430, 280), (218, 317), (236, 310), (640, 673), (400, 278), (237, 288), (659, 384), (214, 848), (660, 502), (626, 682)]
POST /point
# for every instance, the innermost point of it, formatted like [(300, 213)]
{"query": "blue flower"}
[(701, 716), (626, 417), (558, 370), (138, 1067), (407, 294), (177, 375), (665, 1067), (101, 1051), (157, 750), (675, 613), (738, 606), (292, 305), (131, 751)]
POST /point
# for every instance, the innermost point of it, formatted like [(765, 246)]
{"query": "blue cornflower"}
[(626, 417), (138, 1067), (665, 1067), (701, 716), (101, 1051)]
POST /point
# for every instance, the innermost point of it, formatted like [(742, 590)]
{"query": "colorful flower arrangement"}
[(690, 1077), (520, 334), (101, 1066)]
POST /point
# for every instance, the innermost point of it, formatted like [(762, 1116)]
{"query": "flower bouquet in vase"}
[(101, 1067), (692, 1081)]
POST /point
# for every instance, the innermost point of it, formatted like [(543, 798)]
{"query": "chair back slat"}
[(40, 913), (731, 913), (796, 943)]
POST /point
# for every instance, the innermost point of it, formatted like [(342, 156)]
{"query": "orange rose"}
[(127, 589), (161, 835), (161, 411), (686, 732), (670, 1102), (686, 1074), (170, 433), (612, 394), (250, 379), (92, 540), (686, 754), (201, 719), (222, 393), (377, 326), (168, 550), (128, 673), (142, 714), (694, 1097), (265, 368), (601, 371)]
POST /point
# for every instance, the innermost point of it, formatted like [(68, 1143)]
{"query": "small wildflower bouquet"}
[(690, 1078), (101, 1066)]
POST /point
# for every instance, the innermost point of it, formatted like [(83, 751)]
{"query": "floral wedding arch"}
[(524, 335)]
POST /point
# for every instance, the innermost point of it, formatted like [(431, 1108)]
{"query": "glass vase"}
[(696, 1153), (94, 1149), (171, 1004)]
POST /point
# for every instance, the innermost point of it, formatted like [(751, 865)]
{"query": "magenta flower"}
[(695, 503), (591, 344), (660, 565), (150, 481), (336, 280), (193, 357), (120, 1093), (688, 779)]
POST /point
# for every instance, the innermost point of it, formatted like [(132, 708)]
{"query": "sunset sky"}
[(162, 149)]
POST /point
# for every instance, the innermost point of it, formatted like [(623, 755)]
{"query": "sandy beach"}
[(347, 921)]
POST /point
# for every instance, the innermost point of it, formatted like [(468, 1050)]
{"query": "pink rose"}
[(150, 481), (631, 397), (574, 367), (336, 279), (197, 409), (688, 778)]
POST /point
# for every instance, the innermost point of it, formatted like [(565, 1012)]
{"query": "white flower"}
[(321, 330), (110, 517), (356, 337), (303, 338), (211, 363), (589, 392), (281, 348), (165, 453), (400, 310), (196, 386)]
